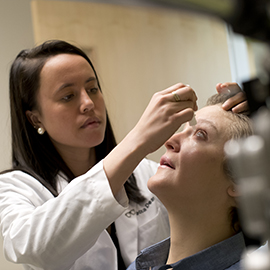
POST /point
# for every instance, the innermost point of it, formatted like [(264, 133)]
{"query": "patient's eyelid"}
[(200, 133)]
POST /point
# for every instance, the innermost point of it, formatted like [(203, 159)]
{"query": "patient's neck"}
[(191, 233)]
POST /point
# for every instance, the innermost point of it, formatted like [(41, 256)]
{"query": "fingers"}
[(241, 108), (173, 88), (238, 100), (182, 94), (238, 103), (184, 104), (185, 115), (218, 87), (229, 87)]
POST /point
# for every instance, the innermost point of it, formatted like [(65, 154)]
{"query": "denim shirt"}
[(221, 256)]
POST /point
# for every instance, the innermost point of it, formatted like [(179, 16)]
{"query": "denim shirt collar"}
[(219, 256)]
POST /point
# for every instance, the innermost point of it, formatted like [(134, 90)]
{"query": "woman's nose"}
[(173, 143), (87, 103)]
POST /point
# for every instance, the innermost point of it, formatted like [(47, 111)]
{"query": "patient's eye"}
[(201, 134)]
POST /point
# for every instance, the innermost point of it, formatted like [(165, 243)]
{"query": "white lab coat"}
[(68, 232)]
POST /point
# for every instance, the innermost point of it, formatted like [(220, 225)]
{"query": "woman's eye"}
[(92, 90), (68, 97), (201, 134)]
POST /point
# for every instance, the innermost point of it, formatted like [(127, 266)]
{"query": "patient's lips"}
[(166, 162)]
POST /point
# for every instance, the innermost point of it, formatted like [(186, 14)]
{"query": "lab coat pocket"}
[(154, 230)]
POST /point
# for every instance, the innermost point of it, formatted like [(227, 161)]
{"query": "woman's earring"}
[(40, 131)]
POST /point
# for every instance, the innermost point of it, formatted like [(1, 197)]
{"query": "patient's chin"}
[(158, 183)]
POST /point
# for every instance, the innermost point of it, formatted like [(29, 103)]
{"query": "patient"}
[(197, 188)]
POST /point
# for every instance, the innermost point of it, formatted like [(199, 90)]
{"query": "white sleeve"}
[(51, 233)]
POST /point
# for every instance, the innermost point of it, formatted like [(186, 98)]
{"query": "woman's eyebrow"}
[(66, 85), (91, 79), (208, 122)]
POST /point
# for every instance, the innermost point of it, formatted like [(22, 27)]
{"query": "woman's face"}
[(70, 105), (192, 168)]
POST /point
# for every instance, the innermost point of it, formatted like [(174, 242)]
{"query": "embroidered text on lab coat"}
[(132, 212)]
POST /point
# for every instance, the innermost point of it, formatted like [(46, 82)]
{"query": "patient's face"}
[(192, 167)]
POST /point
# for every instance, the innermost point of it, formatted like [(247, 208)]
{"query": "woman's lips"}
[(165, 161), (91, 122)]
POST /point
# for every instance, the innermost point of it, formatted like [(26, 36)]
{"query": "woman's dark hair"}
[(35, 154)]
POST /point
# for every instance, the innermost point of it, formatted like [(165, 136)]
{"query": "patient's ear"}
[(33, 118)]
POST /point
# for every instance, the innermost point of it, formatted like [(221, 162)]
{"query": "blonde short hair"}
[(241, 127), (241, 123)]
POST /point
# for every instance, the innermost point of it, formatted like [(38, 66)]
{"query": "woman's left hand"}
[(238, 103)]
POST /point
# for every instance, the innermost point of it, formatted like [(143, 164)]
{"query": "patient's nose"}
[(173, 143)]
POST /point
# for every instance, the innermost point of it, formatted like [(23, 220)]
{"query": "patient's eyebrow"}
[(208, 122)]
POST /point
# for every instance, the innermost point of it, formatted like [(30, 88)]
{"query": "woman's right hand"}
[(164, 115), (160, 120)]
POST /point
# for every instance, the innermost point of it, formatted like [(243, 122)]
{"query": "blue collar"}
[(219, 256)]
